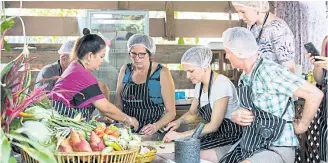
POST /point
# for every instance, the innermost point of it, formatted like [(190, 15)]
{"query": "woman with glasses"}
[(145, 89)]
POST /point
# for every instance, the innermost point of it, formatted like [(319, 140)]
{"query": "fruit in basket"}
[(78, 143), (144, 150), (134, 144), (107, 150), (123, 142), (96, 143), (114, 145), (65, 146)]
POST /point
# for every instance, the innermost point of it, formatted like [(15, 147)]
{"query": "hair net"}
[(66, 47), (143, 40), (200, 56), (260, 6), (240, 41)]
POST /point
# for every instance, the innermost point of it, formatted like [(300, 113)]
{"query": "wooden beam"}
[(123, 5), (108, 5), (191, 6), (180, 80), (45, 26), (165, 54), (46, 57), (68, 26), (169, 24), (170, 53)]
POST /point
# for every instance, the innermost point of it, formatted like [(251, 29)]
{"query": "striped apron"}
[(70, 112), (137, 102), (265, 129), (228, 132)]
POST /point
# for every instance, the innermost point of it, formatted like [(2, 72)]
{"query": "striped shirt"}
[(272, 87)]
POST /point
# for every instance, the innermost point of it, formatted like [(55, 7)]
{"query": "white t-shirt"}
[(221, 87)]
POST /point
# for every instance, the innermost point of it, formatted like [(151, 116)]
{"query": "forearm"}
[(167, 118), (317, 73), (115, 113), (118, 102), (188, 117), (208, 128), (310, 108)]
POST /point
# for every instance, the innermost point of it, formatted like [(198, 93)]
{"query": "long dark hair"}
[(86, 44)]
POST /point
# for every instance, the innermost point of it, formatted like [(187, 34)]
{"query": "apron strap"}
[(264, 21), (288, 103), (209, 89), (131, 71), (148, 73)]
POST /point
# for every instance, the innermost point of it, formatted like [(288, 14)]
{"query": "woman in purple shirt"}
[(80, 89)]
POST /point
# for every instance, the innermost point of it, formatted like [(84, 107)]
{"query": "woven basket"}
[(146, 157), (126, 156)]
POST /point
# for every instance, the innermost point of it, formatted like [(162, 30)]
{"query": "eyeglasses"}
[(140, 55)]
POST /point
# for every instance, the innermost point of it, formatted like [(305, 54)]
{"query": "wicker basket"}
[(146, 157), (126, 156)]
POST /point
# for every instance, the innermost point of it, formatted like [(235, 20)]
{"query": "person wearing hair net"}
[(145, 89), (78, 90), (57, 68), (215, 100), (265, 90), (275, 40)]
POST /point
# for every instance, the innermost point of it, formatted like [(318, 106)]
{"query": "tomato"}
[(99, 129), (108, 131)]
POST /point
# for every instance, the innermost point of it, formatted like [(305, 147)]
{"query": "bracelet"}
[(155, 125), (127, 120)]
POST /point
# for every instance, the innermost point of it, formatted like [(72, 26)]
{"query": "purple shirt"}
[(82, 87)]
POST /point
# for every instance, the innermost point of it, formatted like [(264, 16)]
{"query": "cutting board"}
[(161, 148)]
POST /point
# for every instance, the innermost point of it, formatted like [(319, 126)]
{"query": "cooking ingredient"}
[(65, 146), (78, 143), (144, 150), (35, 130), (107, 150), (115, 145), (96, 143)]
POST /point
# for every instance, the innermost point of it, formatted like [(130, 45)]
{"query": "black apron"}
[(265, 129), (227, 134), (136, 102)]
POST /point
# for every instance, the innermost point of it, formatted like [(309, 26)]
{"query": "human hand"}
[(299, 127), (172, 126), (149, 129), (323, 63), (242, 116), (172, 135)]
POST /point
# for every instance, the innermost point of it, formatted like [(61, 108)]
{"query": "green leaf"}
[(15, 124), (12, 160), (181, 41), (6, 46), (196, 40), (39, 152), (8, 24), (175, 14), (5, 148)]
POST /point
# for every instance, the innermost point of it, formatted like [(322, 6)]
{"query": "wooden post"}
[(169, 21), (123, 5)]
